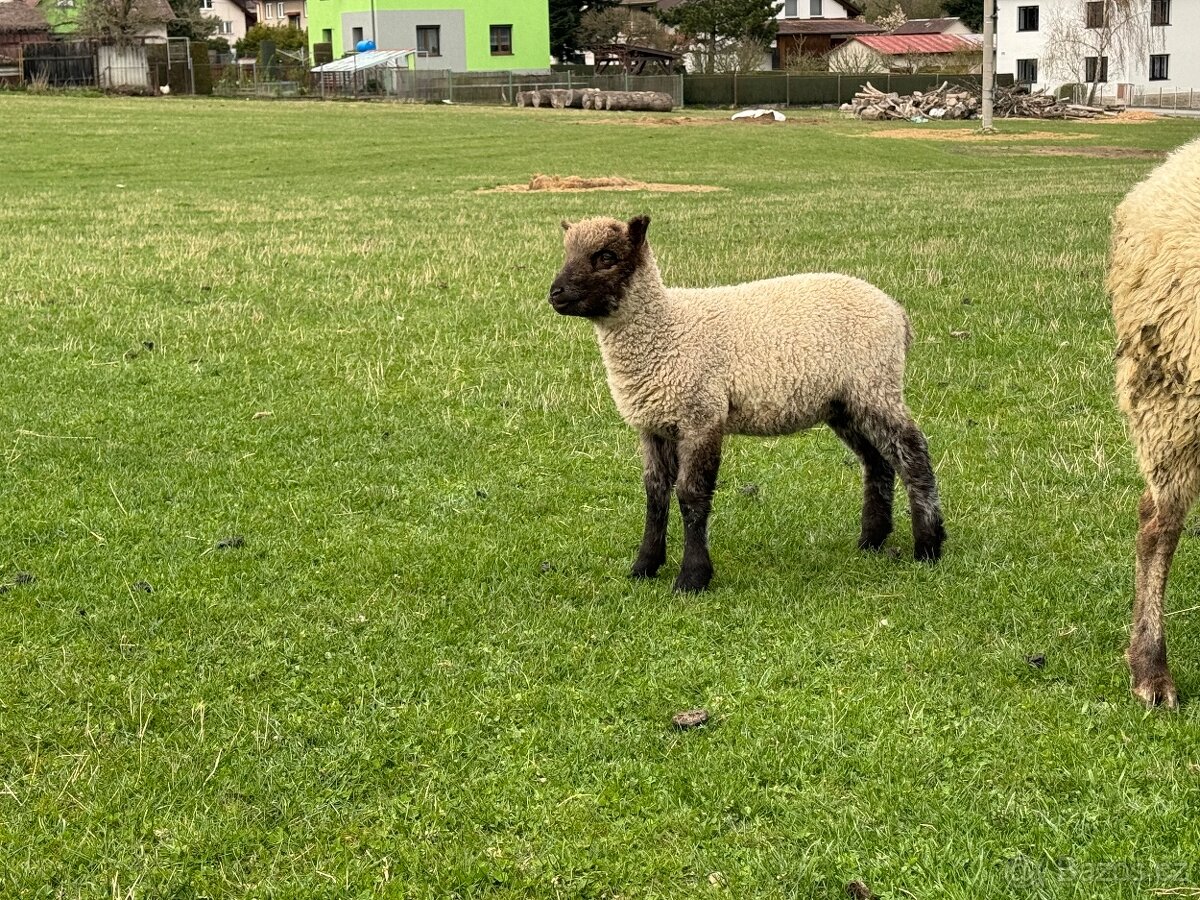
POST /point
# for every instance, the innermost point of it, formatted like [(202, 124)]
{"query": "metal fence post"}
[(787, 88), (682, 99), (735, 103), (450, 85)]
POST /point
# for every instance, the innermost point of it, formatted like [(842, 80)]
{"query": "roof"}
[(662, 5), (827, 26), (927, 26), (17, 18), (900, 44), (368, 59)]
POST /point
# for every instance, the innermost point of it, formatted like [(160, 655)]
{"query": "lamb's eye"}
[(606, 258)]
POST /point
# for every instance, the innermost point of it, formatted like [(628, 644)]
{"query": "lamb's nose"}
[(555, 292)]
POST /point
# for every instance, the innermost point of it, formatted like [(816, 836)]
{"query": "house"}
[(235, 17), (283, 13), (949, 25), (815, 27), (908, 53), (460, 35), (1165, 39), (20, 24)]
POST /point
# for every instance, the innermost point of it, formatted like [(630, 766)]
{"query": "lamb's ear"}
[(566, 226), (637, 230)]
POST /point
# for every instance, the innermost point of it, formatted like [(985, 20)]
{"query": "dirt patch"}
[(700, 121), (1096, 152), (1129, 117), (959, 134), (577, 184)]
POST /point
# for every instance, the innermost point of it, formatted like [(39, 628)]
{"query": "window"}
[(356, 36), (226, 26), (789, 9), (1158, 66), (814, 9), (1027, 71), (501, 40), (429, 40), (1095, 14), (1027, 18), (1160, 12), (206, 4), (1089, 69), (326, 35), (294, 21)]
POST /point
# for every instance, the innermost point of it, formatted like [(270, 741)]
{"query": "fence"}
[(432, 86), (143, 68), (1166, 99)]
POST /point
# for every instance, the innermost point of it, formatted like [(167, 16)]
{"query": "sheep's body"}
[(686, 366), (1154, 281), (767, 356)]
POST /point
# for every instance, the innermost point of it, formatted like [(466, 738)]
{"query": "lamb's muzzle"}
[(687, 367)]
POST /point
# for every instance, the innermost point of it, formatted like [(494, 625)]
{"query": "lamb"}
[(1154, 283), (688, 366)]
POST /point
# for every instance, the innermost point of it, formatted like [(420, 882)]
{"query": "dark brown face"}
[(602, 256)]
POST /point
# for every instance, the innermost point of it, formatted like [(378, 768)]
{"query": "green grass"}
[(424, 673)]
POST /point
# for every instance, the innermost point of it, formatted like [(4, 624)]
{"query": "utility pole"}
[(989, 61)]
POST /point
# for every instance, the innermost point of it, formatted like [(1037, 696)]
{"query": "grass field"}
[(328, 516)]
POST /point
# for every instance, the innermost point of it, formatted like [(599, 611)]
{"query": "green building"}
[(461, 35)]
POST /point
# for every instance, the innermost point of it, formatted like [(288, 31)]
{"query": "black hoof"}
[(692, 582)]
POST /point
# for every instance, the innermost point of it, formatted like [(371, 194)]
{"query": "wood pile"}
[(965, 103), (593, 98), (939, 103), (1017, 103)]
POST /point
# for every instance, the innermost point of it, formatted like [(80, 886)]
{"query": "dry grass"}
[(564, 184)]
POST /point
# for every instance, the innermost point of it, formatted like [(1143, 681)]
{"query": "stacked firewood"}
[(939, 103), (1016, 102), (592, 98)]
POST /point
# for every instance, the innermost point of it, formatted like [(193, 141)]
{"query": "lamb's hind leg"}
[(699, 462), (660, 460), (902, 444), (1161, 514), (879, 481)]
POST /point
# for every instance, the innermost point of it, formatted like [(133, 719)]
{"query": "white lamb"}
[(688, 366), (1154, 280)]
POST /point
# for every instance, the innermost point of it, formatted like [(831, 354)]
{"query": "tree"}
[(565, 18), (285, 38), (1084, 40), (190, 21), (970, 11), (724, 29), (892, 20), (121, 22), (617, 25), (874, 10)]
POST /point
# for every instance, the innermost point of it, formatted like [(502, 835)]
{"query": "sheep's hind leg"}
[(1161, 514), (699, 462), (879, 482), (903, 445), (660, 460)]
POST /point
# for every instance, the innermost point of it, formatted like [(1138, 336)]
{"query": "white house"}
[(1168, 56), (231, 16)]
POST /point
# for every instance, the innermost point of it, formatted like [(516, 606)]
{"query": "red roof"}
[(900, 44)]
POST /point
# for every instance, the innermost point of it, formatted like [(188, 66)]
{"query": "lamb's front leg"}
[(660, 460), (699, 461)]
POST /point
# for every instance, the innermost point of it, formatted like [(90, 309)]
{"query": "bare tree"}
[(856, 58), (1086, 38), (622, 25)]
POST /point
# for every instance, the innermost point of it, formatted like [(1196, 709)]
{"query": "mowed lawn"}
[(316, 520)]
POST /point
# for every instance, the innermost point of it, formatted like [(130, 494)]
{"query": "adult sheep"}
[(1154, 282), (687, 367)]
